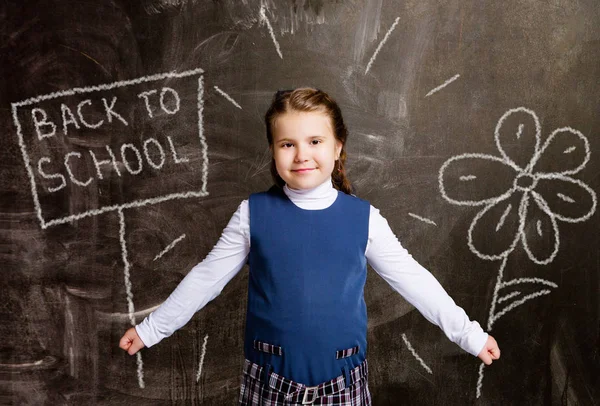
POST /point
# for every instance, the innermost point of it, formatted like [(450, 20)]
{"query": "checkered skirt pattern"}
[(282, 391), (347, 353), (268, 348)]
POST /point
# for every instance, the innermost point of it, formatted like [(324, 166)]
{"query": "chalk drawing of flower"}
[(523, 197), (525, 192)]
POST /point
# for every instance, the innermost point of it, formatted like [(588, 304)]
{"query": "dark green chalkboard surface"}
[(132, 130)]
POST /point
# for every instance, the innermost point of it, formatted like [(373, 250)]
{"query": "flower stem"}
[(491, 317)]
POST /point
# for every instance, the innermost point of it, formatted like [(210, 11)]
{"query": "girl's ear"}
[(338, 149)]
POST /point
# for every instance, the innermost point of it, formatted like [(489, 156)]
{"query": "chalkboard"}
[(133, 130)]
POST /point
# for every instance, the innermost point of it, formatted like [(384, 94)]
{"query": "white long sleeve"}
[(203, 283), (419, 287), (384, 252)]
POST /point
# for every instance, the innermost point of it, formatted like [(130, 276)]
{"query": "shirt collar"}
[(317, 198)]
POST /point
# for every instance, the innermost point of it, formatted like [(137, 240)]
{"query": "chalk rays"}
[(383, 41), (169, 247), (225, 95), (443, 85), (263, 18), (423, 219), (414, 353)]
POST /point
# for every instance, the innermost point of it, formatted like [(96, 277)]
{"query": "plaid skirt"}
[(282, 391)]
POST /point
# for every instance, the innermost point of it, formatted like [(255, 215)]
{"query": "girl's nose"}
[(301, 154)]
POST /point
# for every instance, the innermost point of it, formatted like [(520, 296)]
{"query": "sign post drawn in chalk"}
[(44, 122), (538, 193)]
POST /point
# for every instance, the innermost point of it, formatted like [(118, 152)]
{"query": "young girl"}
[(307, 241)]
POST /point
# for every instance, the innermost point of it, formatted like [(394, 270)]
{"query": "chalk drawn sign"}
[(147, 139), (142, 141)]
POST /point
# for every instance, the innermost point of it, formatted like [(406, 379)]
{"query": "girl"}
[(307, 241)]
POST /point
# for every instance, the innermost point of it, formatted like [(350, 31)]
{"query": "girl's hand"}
[(490, 351), (131, 341)]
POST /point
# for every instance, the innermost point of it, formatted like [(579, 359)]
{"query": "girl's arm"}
[(203, 283), (419, 287)]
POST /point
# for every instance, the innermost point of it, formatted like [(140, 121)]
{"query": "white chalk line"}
[(490, 323), (520, 130), (480, 380), (497, 287), (443, 85), (225, 95), (108, 86), (140, 370), (519, 281), (510, 295), (202, 358), (414, 353), (138, 203), (503, 218), (36, 200), (569, 150), (528, 280), (124, 317), (383, 41), (129, 293), (169, 247), (467, 177), (539, 227), (565, 198), (423, 219), (263, 17), (519, 302), (200, 108)]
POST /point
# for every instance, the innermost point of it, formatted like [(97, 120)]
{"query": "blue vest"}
[(306, 317)]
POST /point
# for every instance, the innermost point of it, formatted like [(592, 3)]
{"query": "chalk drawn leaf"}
[(517, 136), (568, 199), (565, 152), (465, 179), (540, 228), (516, 292), (495, 230)]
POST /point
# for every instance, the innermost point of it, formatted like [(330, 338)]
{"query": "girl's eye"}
[(287, 145), (315, 142)]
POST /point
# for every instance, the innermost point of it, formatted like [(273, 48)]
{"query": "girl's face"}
[(304, 148)]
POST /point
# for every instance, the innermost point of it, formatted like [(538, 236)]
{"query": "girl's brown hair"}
[(307, 99)]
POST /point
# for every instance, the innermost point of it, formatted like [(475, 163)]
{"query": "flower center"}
[(525, 182)]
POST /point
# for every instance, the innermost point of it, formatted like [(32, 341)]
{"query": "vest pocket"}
[(268, 348), (347, 352)]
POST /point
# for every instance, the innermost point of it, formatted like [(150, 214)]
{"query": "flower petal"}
[(568, 199), (467, 179), (540, 234), (517, 136), (494, 232), (566, 151)]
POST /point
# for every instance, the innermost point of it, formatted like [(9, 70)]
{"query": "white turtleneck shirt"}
[(384, 253)]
